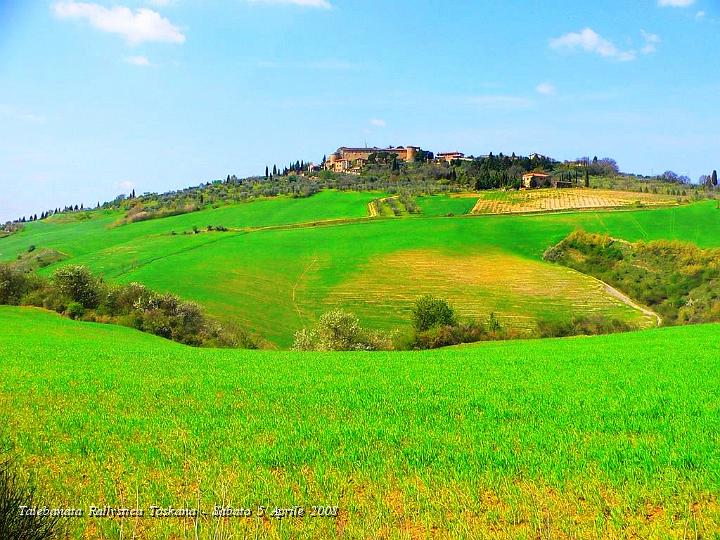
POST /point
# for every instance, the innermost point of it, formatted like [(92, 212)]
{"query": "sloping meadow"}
[(272, 282)]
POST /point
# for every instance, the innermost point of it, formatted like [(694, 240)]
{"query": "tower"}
[(411, 153)]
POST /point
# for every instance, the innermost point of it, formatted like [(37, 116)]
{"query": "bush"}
[(13, 494), (123, 299), (75, 293), (430, 312), (582, 326), (464, 332), (14, 284), (79, 285), (679, 281), (338, 330), (74, 310)]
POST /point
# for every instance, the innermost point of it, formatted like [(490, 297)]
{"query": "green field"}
[(275, 281), (612, 436)]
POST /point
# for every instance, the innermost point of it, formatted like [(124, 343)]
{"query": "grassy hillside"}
[(276, 281), (452, 442), (89, 232)]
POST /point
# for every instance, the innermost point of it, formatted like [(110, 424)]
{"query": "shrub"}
[(582, 326), (154, 321), (338, 330), (466, 332), (74, 310), (123, 299), (13, 494), (75, 293), (14, 284), (429, 312), (79, 285), (677, 280)]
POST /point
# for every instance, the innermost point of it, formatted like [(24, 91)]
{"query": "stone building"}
[(449, 157), (536, 180), (347, 159)]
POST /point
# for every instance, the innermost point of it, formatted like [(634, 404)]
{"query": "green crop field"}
[(276, 280), (612, 436)]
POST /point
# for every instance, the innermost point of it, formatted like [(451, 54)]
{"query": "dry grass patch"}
[(517, 290), (553, 200)]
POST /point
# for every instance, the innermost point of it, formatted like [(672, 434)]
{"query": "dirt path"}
[(625, 299)]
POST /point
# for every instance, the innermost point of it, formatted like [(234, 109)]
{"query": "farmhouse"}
[(347, 159), (536, 180), (449, 156)]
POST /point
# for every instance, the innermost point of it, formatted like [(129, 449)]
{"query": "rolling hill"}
[(285, 261)]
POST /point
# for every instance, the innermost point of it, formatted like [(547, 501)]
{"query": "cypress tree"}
[(714, 178), (267, 172)]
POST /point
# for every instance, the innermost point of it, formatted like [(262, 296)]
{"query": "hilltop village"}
[(410, 170), (354, 160)]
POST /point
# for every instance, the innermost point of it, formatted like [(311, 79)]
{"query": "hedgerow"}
[(76, 293)]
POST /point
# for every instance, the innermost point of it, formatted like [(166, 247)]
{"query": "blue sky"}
[(97, 98)]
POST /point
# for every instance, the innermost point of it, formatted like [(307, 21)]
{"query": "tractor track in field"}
[(167, 256), (302, 275)]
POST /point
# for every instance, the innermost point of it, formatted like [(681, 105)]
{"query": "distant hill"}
[(274, 265)]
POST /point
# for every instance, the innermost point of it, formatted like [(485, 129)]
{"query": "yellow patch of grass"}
[(517, 290), (553, 200)]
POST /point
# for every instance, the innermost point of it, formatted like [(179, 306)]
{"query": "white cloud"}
[(378, 122), (139, 26), (675, 3), (16, 114), (498, 102), (700, 14), (126, 186), (546, 89), (138, 61), (651, 42), (590, 41), (324, 4), (324, 65)]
